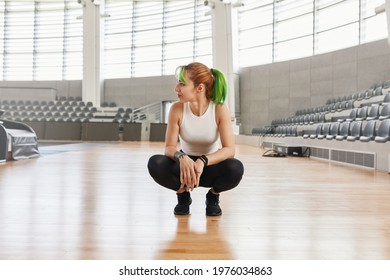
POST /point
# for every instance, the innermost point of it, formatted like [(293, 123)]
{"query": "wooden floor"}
[(97, 201)]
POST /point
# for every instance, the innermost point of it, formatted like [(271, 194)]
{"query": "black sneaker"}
[(183, 204), (212, 205)]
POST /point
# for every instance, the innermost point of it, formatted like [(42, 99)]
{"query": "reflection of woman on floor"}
[(202, 123), (190, 244)]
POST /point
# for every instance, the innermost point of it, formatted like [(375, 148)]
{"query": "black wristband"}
[(204, 159)]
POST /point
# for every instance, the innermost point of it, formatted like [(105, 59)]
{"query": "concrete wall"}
[(37, 90), (278, 90), (138, 92)]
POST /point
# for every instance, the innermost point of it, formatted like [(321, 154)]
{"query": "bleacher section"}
[(70, 118), (352, 129)]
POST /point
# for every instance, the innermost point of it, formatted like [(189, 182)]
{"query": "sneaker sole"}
[(214, 214), (181, 214)]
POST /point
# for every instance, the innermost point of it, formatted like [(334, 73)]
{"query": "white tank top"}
[(199, 135)]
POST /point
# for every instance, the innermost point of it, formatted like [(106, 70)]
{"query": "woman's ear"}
[(200, 87)]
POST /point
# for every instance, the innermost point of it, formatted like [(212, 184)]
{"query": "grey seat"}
[(313, 118), (351, 117), (293, 131), (349, 104), (361, 95), (333, 131), (383, 132), (378, 91), (257, 131), (317, 132), (342, 106), (373, 112), (369, 93), (385, 112), (386, 99), (321, 118), (344, 131), (362, 113), (306, 119), (325, 131), (368, 133), (356, 131)]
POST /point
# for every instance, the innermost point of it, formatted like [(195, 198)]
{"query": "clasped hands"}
[(190, 172)]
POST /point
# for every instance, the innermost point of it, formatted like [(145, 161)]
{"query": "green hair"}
[(180, 74), (220, 87)]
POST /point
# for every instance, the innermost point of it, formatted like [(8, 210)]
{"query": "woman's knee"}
[(235, 169), (155, 163)]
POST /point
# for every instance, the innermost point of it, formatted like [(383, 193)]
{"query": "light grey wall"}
[(138, 92), (278, 90), (31, 89)]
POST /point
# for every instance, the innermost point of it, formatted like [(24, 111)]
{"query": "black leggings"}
[(221, 177)]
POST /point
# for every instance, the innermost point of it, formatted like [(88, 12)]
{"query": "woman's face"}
[(185, 90)]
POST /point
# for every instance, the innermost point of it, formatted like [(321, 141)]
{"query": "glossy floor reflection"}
[(196, 244), (97, 201)]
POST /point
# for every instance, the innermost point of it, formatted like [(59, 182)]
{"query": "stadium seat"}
[(344, 131), (373, 112), (368, 133), (383, 132), (362, 113), (334, 131), (356, 131), (385, 112), (386, 99), (324, 131)]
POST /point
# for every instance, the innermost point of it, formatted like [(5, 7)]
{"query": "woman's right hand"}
[(188, 176)]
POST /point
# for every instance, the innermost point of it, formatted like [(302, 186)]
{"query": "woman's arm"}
[(172, 132), (222, 116)]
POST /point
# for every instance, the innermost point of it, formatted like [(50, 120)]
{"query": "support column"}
[(93, 82), (387, 7), (224, 17)]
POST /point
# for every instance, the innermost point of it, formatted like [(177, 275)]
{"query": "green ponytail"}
[(219, 92)]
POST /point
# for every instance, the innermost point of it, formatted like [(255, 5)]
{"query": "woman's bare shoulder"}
[(176, 108), (177, 105), (222, 110)]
